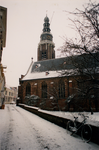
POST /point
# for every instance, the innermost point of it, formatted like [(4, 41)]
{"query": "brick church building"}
[(50, 81)]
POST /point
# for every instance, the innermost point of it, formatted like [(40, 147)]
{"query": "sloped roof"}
[(52, 65), (51, 68)]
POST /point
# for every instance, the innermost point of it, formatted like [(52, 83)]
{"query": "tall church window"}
[(28, 89), (44, 55), (44, 90), (61, 89)]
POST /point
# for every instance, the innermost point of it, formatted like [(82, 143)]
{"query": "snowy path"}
[(22, 130)]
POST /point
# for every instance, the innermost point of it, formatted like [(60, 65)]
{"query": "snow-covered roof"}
[(7, 86), (53, 68), (47, 69)]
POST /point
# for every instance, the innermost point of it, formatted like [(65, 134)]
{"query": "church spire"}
[(46, 45), (46, 25), (46, 35)]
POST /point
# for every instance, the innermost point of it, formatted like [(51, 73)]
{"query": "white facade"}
[(10, 94)]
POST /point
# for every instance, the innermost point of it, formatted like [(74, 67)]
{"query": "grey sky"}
[(25, 20)]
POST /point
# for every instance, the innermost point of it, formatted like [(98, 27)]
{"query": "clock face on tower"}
[(47, 37)]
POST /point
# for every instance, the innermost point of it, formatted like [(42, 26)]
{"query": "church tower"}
[(46, 45)]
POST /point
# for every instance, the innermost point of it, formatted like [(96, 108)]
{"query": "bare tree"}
[(84, 52)]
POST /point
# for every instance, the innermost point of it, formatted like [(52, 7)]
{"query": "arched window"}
[(28, 89), (44, 90), (61, 89)]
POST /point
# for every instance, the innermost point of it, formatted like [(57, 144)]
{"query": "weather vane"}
[(46, 12)]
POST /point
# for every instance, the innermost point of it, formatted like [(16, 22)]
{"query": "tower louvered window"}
[(44, 55)]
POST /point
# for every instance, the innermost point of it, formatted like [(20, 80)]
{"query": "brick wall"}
[(70, 88)]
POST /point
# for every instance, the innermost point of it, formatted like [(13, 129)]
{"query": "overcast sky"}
[(25, 20)]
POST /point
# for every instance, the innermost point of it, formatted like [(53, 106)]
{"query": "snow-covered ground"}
[(22, 130)]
